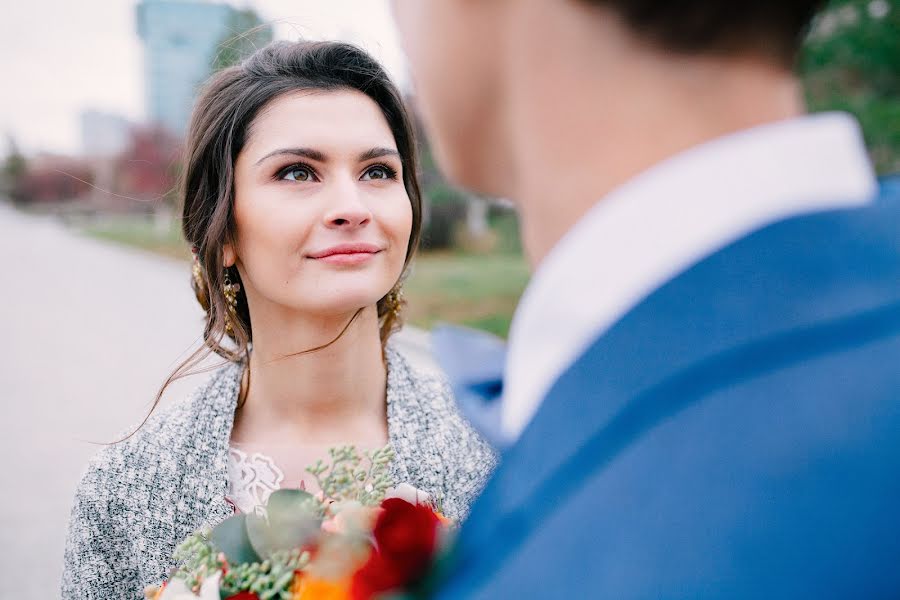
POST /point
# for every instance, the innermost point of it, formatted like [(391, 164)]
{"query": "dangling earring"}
[(200, 287), (230, 291), (197, 272), (394, 301)]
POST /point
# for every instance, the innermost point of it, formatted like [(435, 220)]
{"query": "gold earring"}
[(230, 291), (201, 291), (197, 272), (394, 301)]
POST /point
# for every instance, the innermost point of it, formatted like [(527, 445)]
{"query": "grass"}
[(472, 289), (477, 290), (141, 233)]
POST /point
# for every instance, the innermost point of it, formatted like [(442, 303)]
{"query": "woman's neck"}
[(332, 395)]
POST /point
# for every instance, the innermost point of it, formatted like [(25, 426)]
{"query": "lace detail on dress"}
[(251, 480)]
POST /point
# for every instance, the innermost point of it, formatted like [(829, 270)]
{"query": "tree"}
[(14, 168), (246, 33), (850, 62), (147, 169)]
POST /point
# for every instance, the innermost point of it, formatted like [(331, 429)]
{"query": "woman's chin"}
[(342, 306)]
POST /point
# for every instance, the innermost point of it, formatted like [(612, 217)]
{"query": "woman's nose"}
[(348, 210)]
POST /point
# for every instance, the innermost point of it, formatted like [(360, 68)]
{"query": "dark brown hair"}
[(769, 28), (222, 117)]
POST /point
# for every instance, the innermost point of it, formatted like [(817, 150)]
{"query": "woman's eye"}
[(379, 172), (297, 174)]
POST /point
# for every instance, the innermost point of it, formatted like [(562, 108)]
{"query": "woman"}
[(302, 205)]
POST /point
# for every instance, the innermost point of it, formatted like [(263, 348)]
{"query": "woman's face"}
[(321, 213)]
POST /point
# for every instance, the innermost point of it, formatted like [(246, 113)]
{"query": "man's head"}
[(464, 52), (771, 29)]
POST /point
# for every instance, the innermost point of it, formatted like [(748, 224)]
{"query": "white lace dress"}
[(252, 477)]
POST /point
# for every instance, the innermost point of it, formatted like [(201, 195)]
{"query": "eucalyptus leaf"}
[(292, 519), (230, 536)]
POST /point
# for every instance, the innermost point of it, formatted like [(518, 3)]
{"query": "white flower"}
[(178, 590), (404, 491)]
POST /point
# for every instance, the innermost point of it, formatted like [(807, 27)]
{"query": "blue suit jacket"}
[(736, 435)]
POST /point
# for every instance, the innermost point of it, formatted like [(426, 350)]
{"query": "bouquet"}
[(356, 539)]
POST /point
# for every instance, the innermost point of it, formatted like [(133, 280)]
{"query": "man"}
[(702, 391)]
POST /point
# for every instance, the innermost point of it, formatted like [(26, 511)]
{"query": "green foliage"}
[(504, 222), (292, 519), (232, 538), (850, 62), (246, 33), (349, 477), (447, 210), (197, 557), (202, 554), (270, 579), (263, 551), (13, 170)]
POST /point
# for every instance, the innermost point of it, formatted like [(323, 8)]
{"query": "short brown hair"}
[(770, 28)]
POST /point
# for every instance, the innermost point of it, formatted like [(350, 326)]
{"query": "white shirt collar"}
[(663, 221)]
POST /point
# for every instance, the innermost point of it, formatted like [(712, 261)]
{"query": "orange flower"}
[(154, 592), (306, 587)]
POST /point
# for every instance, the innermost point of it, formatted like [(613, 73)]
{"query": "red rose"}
[(405, 540)]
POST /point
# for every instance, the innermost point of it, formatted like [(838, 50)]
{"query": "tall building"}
[(181, 41)]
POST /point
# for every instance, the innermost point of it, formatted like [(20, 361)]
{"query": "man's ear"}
[(228, 255)]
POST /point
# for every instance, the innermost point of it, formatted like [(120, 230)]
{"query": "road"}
[(89, 331)]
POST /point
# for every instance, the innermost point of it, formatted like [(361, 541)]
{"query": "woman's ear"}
[(228, 255)]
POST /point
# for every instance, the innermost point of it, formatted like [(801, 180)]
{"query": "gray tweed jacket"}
[(138, 499)]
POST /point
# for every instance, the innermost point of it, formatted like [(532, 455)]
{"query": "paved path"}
[(88, 332)]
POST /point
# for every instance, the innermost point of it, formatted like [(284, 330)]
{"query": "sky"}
[(59, 57)]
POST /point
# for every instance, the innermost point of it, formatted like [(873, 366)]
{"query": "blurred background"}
[(95, 304)]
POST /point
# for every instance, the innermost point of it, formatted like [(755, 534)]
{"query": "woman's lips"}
[(346, 260), (347, 254)]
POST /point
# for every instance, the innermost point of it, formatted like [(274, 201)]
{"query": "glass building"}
[(181, 39)]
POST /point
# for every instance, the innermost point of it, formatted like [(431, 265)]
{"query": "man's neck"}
[(577, 137)]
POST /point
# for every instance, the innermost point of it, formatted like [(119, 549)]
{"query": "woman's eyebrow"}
[(377, 153), (309, 153), (318, 156)]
